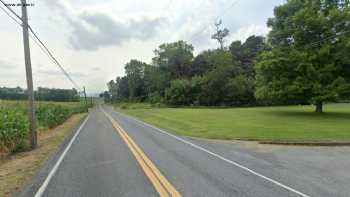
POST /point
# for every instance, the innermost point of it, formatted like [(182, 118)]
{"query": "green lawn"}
[(290, 123)]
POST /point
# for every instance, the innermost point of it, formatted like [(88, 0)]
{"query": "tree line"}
[(41, 94), (303, 60)]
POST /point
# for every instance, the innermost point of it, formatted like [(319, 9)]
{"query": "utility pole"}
[(30, 91), (85, 97)]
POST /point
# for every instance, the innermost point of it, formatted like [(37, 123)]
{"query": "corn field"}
[(14, 125)]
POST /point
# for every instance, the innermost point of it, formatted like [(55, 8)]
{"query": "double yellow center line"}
[(160, 183)]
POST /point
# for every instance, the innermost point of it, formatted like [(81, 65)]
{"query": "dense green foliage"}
[(304, 60), (14, 120), (309, 60), (42, 94), (13, 129), (277, 124), (176, 77), (51, 114), (175, 58)]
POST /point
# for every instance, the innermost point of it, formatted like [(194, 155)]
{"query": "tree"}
[(220, 34), (179, 92), (176, 58), (214, 89), (12, 93), (156, 80), (247, 53), (201, 64), (42, 94), (309, 57), (211, 59), (134, 70), (184, 91), (122, 88), (113, 90), (53, 94), (118, 90), (239, 91), (106, 96)]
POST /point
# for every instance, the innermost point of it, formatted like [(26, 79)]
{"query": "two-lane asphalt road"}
[(116, 155)]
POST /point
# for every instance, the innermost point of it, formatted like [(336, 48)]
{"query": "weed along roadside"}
[(18, 169)]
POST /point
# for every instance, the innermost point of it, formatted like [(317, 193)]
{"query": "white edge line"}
[(44, 185), (218, 156)]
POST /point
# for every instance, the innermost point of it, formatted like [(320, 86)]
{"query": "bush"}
[(179, 93), (154, 98), (239, 91), (185, 92)]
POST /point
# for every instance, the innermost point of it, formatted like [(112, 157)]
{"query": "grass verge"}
[(18, 169), (272, 124)]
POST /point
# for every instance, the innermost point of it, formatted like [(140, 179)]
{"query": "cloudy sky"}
[(93, 39)]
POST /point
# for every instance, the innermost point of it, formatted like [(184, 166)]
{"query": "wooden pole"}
[(85, 98), (30, 91)]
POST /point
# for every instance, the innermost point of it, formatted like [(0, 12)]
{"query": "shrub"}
[(179, 93), (154, 98)]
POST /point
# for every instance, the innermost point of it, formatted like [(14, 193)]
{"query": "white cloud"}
[(103, 31), (112, 32), (244, 32)]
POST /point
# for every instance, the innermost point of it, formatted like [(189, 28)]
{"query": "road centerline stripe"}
[(158, 180), (147, 167), (288, 188)]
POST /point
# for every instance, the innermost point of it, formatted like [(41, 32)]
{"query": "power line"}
[(30, 35), (216, 18), (37, 43), (54, 59), (14, 19), (48, 55), (226, 10), (312, 44), (11, 10), (327, 38), (9, 15), (41, 45)]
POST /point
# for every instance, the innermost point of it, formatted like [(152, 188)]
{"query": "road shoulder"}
[(291, 165), (20, 172)]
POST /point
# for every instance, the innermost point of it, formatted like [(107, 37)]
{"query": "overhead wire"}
[(11, 10), (327, 38), (235, 2), (40, 43), (47, 52), (54, 59), (9, 15), (226, 10), (216, 18)]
